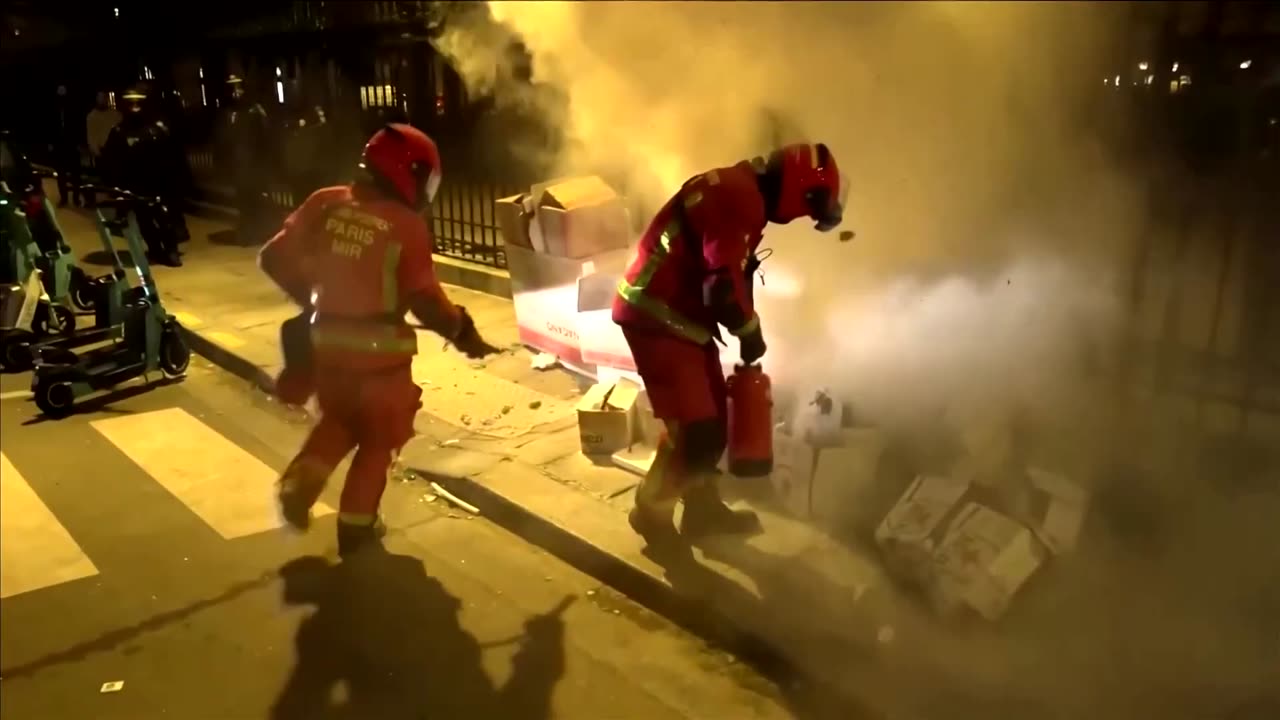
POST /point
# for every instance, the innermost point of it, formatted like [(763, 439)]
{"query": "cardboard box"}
[(606, 417), (513, 221), (983, 561), (579, 217), (544, 291), (911, 532)]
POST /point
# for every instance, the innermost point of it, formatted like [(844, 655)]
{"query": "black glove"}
[(295, 340), (752, 346), (468, 340)]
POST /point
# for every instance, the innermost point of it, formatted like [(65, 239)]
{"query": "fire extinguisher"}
[(750, 422)]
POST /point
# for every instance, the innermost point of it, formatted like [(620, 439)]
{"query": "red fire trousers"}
[(685, 384), (369, 411)]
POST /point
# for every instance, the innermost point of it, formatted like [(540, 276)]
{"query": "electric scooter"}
[(27, 313), (63, 278), (107, 294), (150, 339)]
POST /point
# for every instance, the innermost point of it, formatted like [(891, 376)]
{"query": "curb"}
[(473, 276), (228, 360), (699, 619)]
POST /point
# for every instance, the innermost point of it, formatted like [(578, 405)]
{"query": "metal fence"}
[(462, 216), (1205, 331)]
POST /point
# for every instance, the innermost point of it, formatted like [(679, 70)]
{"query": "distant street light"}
[(1245, 65), (1175, 67), (1117, 81), (1143, 65)]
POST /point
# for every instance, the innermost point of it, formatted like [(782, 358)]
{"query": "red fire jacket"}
[(713, 223), (356, 258)]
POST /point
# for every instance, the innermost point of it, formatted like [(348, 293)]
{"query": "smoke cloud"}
[(991, 230), (995, 234)]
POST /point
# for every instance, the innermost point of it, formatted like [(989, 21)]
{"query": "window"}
[(377, 96)]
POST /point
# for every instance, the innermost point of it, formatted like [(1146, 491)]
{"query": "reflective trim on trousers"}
[(381, 340)]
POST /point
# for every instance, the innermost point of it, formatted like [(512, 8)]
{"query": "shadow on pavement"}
[(111, 640), (230, 237), (784, 610), (102, 259), (103, 403), (385, 642)]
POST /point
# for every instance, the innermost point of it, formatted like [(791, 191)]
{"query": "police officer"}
[(138, 157), (244, 152)]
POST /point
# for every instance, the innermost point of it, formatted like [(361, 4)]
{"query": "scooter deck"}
[(80, 338)]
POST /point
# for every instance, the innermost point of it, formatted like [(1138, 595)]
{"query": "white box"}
[(544, 292), (792, 476), (845, 478), (606, 418), (983, 561), (602, 343)]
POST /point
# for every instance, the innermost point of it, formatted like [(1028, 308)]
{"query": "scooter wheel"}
[(55, 398), (175, 357), (81, 290), (63, 322), (17, 356)]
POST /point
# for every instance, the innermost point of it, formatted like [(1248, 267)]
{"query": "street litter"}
[(544, 361), (441, 492), (113, 686)]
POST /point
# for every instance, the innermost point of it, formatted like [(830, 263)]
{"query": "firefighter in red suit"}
[(356, 258), (692, 275)]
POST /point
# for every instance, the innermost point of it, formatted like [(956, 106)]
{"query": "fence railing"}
[(1205, 321), (462, 216)]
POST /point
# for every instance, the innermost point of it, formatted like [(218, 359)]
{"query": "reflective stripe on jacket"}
[(633, 291)]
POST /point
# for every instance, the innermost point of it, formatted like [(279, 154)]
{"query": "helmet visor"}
[(827, 208)]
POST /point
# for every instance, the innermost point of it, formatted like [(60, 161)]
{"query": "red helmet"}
[(403, 160), (808, 184)]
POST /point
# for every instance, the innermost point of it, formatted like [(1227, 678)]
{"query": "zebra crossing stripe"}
[(230, 489), (36, 551)]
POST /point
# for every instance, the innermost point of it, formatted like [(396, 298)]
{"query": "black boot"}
[(706, 514), (295, 508), (657, 528), (352, 537)]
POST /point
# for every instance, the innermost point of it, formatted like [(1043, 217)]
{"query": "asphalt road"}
[(140, 546)]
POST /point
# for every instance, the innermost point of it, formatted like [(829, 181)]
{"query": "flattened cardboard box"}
[(606, 417), (984, 560), (911, 532)]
